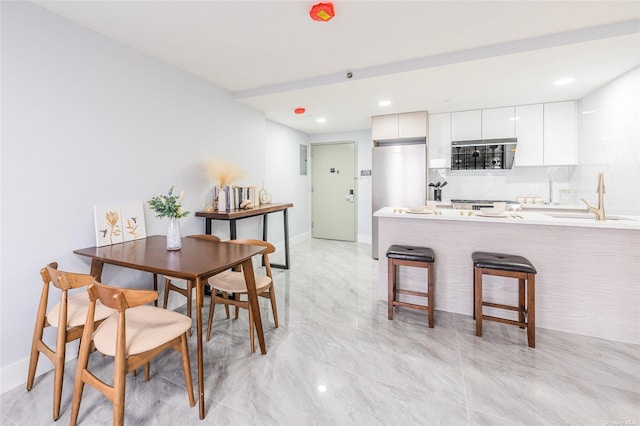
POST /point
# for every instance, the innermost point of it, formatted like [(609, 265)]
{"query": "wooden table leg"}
[(199, 299), (96, 269), (249, 277)]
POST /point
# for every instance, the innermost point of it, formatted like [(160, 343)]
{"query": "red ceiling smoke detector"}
[(299, 110), (322, 12)]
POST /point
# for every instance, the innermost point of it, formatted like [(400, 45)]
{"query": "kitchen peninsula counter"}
[(588, 271), (557, 218)]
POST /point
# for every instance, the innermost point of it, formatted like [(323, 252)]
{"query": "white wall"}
[(284, 182), (86, 120), (610, 142), (363, 146)]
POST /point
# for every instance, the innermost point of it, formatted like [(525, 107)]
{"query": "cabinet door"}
[(439, 141), (529, 131), (466, 125), (412, 125), (384, 127), (498, 123), (560, 133)]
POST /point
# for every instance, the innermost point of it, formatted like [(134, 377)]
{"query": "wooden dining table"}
[(196, 261)]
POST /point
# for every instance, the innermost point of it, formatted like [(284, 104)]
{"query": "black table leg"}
[(232, 229), (286, 237), (233, 235), (286, 240), (265, 224), (155, 287)]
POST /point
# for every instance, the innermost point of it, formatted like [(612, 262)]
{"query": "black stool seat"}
[(413, 253), (506, 262)]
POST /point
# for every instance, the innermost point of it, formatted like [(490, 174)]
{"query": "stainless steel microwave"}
[(484, 154)]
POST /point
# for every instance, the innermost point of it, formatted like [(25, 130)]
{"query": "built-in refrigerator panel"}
[(398, 179)]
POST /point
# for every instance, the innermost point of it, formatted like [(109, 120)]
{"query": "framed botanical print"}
[(108, 224), (133, 221), (116, 223)]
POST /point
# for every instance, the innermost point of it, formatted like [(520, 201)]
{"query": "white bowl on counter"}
[(492, 211), (417, 209)]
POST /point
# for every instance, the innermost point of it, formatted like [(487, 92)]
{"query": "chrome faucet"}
[(599, 212)]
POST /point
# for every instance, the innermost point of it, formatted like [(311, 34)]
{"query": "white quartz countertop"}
[(533, 206), (558, 218), (546, 206)]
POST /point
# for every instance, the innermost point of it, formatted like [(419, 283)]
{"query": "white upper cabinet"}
[(547, 133), (560, 133), (530, 134), (411, 125), (498, 123), (466, 125), (439, 141)]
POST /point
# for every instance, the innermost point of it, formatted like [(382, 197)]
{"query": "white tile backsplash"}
[(504, 184)]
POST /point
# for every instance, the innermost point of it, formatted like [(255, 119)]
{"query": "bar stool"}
[(510, 266), (419, 257)]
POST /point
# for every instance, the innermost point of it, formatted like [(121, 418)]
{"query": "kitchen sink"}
[(585, 216)]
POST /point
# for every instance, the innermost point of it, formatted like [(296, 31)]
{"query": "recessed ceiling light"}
[(588, 112), (384, 103), (564, 81), (321, 120)]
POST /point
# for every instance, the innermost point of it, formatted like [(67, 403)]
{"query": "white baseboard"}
[(298, 238), (365, 239), (292, 240), (15, 374)]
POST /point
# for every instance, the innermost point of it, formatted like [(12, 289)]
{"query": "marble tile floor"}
[(335, 359)]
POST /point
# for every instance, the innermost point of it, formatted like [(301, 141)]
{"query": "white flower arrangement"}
[(168, 205)]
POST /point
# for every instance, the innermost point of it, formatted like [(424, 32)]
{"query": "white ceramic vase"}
[(174, 241), (265, 196)]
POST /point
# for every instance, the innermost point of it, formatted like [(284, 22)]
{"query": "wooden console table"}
[(233, 215)]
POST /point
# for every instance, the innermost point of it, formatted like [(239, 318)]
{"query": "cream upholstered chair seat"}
[(147, 327), (134, 336), (77, 305), (233, 282)]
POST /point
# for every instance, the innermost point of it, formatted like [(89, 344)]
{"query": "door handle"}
[(349, 197)]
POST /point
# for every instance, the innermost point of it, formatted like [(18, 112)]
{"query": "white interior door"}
[(333, 191)]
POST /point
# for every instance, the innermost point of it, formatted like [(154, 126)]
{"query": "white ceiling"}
[(421, 55)]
